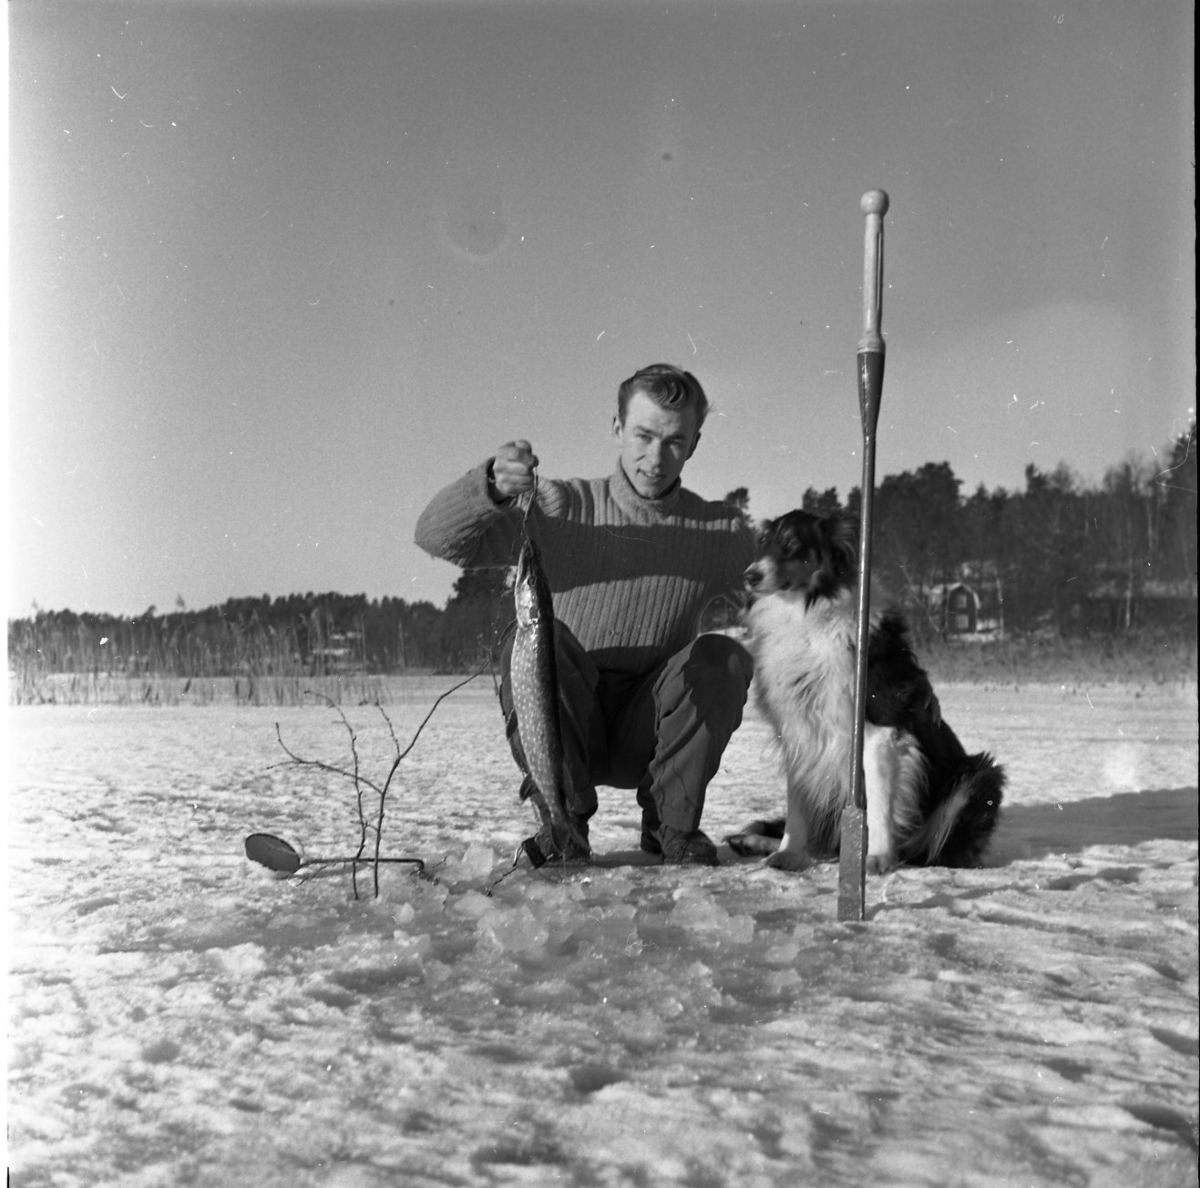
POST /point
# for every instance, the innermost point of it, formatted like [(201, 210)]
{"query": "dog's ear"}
[(796, 534), (843, 541), (790, 542), (784, 536), (765, 532)]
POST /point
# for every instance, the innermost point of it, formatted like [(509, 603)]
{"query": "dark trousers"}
[(662, 734)]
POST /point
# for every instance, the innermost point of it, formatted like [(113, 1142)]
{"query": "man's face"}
[(655, 443)]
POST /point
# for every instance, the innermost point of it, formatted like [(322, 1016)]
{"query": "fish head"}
[(529, 589)]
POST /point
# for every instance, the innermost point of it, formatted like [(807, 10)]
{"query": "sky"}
[(281, 271)]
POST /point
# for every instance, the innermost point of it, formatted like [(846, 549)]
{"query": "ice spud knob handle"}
[(874, 205)]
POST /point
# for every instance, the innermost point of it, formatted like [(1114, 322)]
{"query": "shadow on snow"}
[(1125, 819)]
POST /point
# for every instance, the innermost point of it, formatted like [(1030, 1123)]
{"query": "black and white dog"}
[(928, 801)]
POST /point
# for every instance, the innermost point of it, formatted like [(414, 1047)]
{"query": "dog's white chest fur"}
[(804, 680)]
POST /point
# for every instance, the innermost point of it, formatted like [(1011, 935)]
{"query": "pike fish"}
[(534, 677)]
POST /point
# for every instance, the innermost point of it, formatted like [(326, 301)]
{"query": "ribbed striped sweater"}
[(629, 576)]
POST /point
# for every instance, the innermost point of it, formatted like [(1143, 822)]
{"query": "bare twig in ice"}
[(362, 783)]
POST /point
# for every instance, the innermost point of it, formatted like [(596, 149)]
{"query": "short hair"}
[(668, 386)]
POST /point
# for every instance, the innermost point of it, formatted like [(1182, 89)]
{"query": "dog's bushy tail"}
[(956, 833), (959, 829)]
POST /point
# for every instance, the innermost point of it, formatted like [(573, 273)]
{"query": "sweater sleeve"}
[(462, 524)]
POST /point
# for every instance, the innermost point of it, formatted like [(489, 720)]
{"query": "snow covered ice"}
[(182, 1016)]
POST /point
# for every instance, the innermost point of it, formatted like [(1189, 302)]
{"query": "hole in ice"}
[(1162, 1117), (1185, 1045), (592, 1077), (519, 1152), (1070, 1070), (500, 1053), (161, 1052)]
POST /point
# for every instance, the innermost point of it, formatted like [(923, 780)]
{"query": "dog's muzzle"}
[(768, 576)]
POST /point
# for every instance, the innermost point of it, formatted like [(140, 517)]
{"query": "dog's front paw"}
[(794, 860), (879, 864), (751, 845), (756, 839)]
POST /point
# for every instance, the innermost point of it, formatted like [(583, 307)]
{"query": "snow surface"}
[(180, 1015)]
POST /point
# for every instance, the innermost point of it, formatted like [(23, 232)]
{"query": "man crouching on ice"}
[(632, 560)]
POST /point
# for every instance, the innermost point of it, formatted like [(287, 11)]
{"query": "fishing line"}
[(528, 500), (500, 879)]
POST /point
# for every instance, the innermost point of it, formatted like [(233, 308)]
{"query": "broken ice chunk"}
[(474, 866), (516, 930), (696, 909)]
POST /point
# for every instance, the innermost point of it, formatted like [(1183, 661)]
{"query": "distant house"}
[(972, 607), (961, 612), (341, 651)]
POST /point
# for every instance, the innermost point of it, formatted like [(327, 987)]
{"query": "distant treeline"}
[(1057, 558), (317, 635)]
